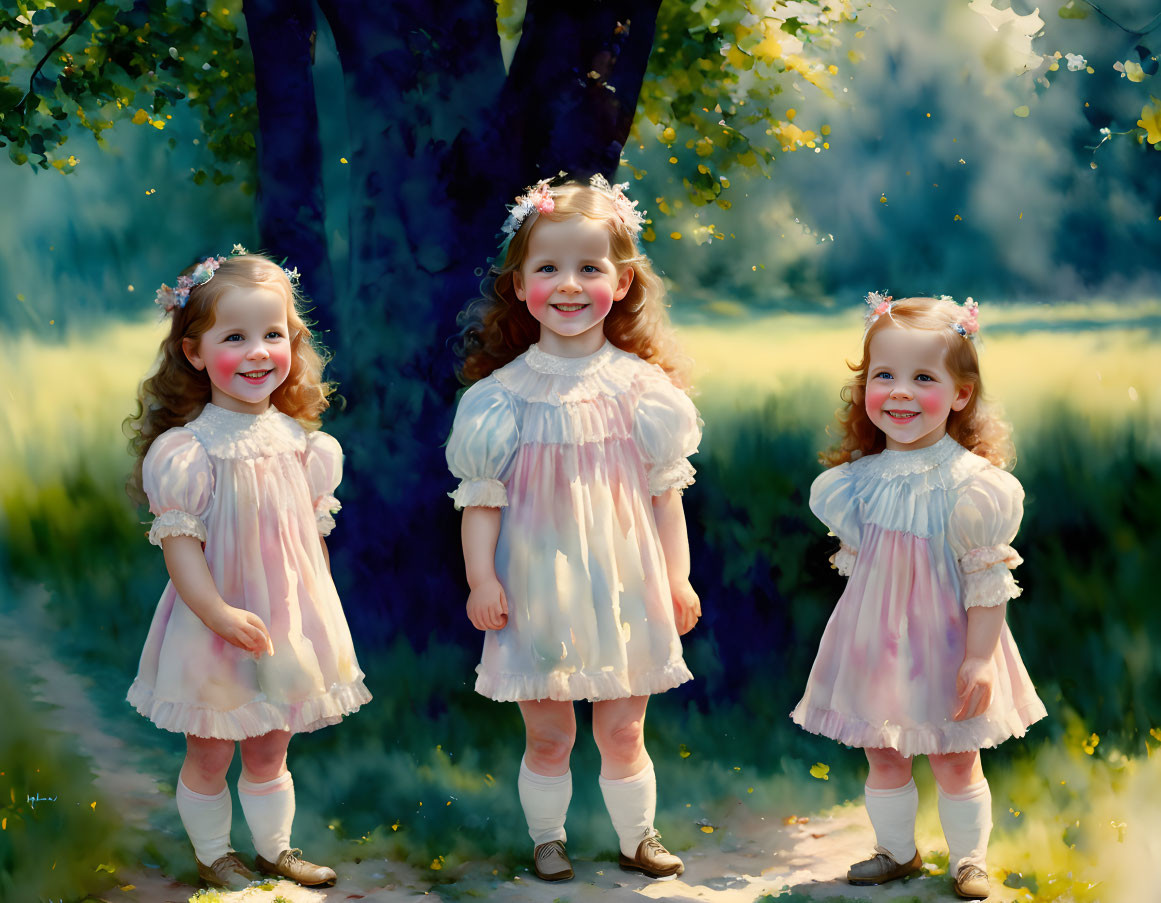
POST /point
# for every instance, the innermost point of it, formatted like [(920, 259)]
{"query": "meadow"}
[(1076, 802)]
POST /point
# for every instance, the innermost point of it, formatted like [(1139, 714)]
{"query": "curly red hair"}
[(497, 327), (979, 427), (175, 392)]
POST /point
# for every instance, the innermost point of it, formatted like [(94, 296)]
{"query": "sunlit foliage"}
[(86, 64)]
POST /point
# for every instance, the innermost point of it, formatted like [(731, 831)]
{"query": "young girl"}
[(249, 641), (571, 452), (916, 658)]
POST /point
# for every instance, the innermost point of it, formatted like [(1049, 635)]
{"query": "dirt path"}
[(746, 857)]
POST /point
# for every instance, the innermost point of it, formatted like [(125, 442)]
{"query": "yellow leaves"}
[(682, 750), (436, 864), (649, 235), (791, 137), (1150, 121), (673, 159), (820, 770), (395, 826), (158, 124), (1090, 744), (795, 820), (668, 135), (676, 236), (1155, 733), (704, 146), (957, 218), (737, 59), (883, 199), (703, 169), (1022, 111), (707, 829), (140, 117), (1130, 70), (93, 805)]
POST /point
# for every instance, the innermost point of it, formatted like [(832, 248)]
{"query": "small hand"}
[(488, 606), (974, 685), (686, 605), (241, 628)]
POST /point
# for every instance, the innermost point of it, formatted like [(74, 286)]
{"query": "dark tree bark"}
[(291, 211), (440, 141)]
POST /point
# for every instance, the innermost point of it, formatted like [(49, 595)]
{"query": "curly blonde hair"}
[(497, 327), (979, 427), (175, 392)]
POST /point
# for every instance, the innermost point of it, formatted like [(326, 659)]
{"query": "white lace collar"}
[(231, 434), (554, 365), (889, 463)]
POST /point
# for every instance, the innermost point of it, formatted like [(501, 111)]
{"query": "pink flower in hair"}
[(971, 317)]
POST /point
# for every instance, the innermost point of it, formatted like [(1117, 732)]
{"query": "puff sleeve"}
[(667, 430), (983, 522), (324, 472), (832, 500), (178, 479), (482, 446)]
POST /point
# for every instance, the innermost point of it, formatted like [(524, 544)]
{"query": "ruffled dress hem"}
[(952, 737), (580, 684), (252, 719)]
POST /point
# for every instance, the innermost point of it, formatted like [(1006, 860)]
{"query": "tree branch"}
[(1153, 23), (55, 47)]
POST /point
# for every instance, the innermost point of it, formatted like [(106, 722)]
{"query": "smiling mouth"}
[(255, 376), (568, 308), (902, 416)]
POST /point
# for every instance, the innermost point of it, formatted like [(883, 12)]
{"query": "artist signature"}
[(37, 798)]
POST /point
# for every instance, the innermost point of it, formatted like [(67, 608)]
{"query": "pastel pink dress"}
[(573, 450), (924, 536), (258, 491)]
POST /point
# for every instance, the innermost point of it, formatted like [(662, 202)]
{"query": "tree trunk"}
[(291, 213), (440, 142)]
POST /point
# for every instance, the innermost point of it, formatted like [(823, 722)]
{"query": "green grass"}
[(1086, 627)]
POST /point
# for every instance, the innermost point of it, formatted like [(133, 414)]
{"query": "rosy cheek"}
[(280, 357), (224, 365), (933, 403), (601, 298), (877, 394), (538, 295)]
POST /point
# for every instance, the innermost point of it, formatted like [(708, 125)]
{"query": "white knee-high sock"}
[(545, 800), (632, 804), (206, 819), (269, 811), (967, 823), (893, 818)]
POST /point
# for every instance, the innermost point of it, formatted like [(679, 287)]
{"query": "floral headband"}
[(968, 325), (540, 198), (170, 299)]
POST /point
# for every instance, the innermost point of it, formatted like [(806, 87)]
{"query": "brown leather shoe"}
[(881, 868), (289, 865), (972, 883), (227, 871), (551, 862), (652, 858)]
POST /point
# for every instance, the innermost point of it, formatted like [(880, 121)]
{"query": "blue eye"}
[(923, 377), (274, 334), (589, 268), (547, 268), (882, 374), (234, 336)]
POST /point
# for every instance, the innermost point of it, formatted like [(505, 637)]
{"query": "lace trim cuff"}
[(176, 523), (843, 560), (324, 511), (990, 587), (677, 474), (981, 559), (480, 493)]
